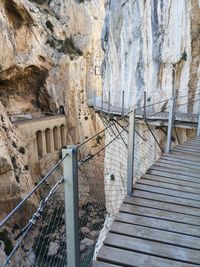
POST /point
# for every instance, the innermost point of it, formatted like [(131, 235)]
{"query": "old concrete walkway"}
[(159, 225)]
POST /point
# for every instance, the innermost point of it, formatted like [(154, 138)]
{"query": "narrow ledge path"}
[(159, 225)]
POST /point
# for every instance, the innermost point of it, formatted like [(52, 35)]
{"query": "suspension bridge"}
[(123, 197)]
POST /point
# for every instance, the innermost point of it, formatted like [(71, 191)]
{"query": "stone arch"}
[(39, 144), (63, 135), (55, 137), (48, 140)]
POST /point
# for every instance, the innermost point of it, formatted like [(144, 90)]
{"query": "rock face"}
[(144, 41), (14, 169), (48, 54)]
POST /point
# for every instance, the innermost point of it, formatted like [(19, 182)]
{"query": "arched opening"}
[(48, 140), (39, 143), (62, 110), (55, 137), (63, 135)]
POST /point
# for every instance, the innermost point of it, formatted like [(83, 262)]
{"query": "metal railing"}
[(86, 161), (18, 225), (97, 175), (154, 130)]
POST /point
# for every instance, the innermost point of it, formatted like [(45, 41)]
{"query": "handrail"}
[(31, 192)]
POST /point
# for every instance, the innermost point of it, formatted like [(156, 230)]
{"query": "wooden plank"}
[(160, 214), (168, 192), (166, 185), (174, 170), (194, 147), (170, 180), (162, 205), (189, 149), (164, 173), (133, 259), (103, 264), (181, 156), (179, 151), (156, 235), (156, 223), (184, 169), (180, 162), (167, 199), (153, 248)]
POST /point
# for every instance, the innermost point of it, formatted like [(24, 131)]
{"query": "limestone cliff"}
[(48, 53), (144, 41)]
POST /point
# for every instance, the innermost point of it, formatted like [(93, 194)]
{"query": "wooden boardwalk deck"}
[(159, 225)]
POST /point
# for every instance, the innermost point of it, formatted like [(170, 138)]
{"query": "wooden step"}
[(181, 156), (163, 172), (174, 227), (131, 259), (170, 180), (168, 192), (156, 204), (152, 248), (174, 171), (181, 163), (166, 237), (166, 185), (160, 214), (164, 198)]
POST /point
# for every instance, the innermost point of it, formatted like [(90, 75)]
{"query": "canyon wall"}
[(143, 42), (49, 51)]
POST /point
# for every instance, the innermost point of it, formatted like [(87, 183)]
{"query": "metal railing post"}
[(109, 101), (145, 103), (170, 125), (102, 101), (70, 173), (95, 99), (131, 143), (198, 127), (123, 103)]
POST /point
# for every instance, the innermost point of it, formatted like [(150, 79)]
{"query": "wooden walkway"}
[(159, 225)]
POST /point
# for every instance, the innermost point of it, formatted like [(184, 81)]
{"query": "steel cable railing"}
[(102, 184), (101, 189), (15, 227), (41, 244)]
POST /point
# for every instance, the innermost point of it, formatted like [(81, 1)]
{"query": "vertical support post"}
[(145, 103), (95, 98), (170, 125), (70, 171), (102, 101), (131, 143), (123, 103), (198, 126), (109, 101)]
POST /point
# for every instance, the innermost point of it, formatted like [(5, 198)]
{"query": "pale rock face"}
[(143, 41)]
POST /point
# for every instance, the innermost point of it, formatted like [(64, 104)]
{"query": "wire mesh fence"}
[(35, 234), (102, 184), (102, 187), (151, 130)]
